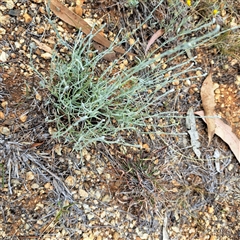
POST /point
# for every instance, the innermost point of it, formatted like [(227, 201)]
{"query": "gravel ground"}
[(50, 192)]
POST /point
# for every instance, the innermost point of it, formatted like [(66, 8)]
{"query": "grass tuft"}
[(96, 102)]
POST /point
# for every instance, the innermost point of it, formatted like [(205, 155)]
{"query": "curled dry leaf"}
[(207, 96), (154, 37), (36, 144), (52, 130), (225, 133)]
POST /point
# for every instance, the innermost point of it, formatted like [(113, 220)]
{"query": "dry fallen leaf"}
[(207, 96), (42, 46), (109, 56), (191, 125), (154, 37), (36, 144), (225, 133), (74, 20)]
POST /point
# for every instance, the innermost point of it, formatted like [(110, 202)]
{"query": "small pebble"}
[(9, 4), (2, 31), (175, 83), (35, 186), (5, 131), (82, 193), (210, 210), (23, 118), (46, 55), (27, 18), (230, 167), (176, 229), (2, 115), (116, 236), (29, 176), (131, 41), (106, 198), (164, 66), (187, 83), (70, 181), (48, 186)]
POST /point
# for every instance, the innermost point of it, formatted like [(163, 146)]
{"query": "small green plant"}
[(132, 3), (2, 171), (63, 210), (92, 104), (228, 43)]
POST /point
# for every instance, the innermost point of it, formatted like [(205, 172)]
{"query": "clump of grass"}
[(228, 43), (132, 3), (91, 107), (226, 13), (2, 173), (94, 105)]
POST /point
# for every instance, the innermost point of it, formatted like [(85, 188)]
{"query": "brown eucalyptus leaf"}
[(154, 37), (225, 133), (74, 20), (207, 96), (108, 56), (43, 46), (36, 144)]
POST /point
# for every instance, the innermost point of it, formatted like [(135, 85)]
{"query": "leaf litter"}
[(191, 125), (208, 103), (154, 37), (214, 124), (73, 19), (225, 133)]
